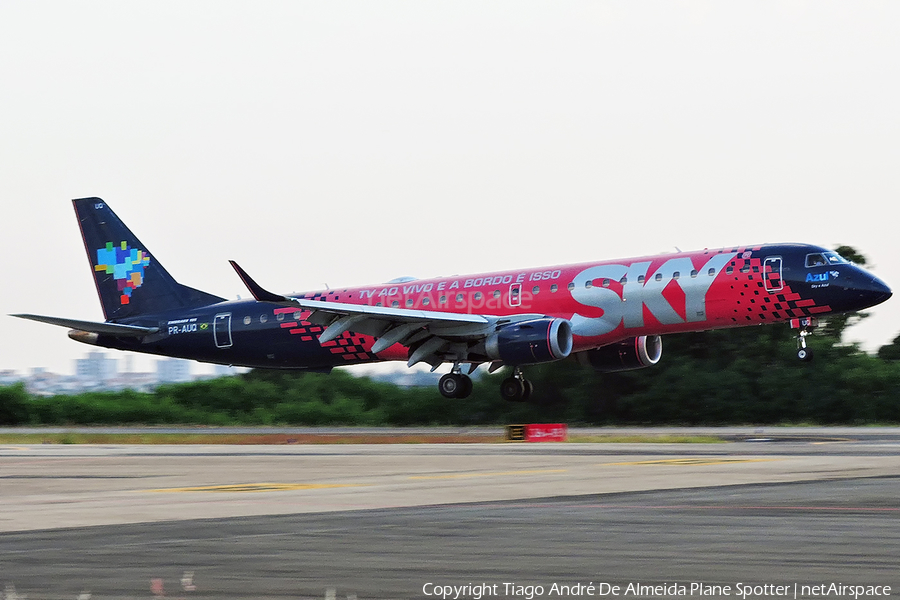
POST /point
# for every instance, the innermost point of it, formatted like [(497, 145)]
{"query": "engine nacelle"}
[(530, 342), (627, 355)]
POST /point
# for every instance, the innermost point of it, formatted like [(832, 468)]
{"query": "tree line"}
[(721, 377)]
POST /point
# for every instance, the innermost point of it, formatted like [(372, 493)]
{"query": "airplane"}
[(610, 314)]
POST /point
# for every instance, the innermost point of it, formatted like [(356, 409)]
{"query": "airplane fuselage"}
[(605, 302)]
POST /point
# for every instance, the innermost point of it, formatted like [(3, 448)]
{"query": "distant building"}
[(173, 370), (96, 372), (9, 377), (96, 369)]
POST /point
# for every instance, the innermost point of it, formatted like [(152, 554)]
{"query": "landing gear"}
[(516, 388), (455, 385), (806, 326)]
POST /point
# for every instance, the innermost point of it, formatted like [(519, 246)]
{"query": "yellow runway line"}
[(256, 487)]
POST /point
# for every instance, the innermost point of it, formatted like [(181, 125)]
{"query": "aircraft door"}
[(772, 274), (515, 294), (222, 330)]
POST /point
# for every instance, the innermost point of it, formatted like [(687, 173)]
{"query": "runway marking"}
[(490, 474), (690, 462), (256, 487)]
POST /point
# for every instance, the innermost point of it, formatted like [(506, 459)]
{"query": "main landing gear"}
[(455, 385), (516, 388), (806, 326)]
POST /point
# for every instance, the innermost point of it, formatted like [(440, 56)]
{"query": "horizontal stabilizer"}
[(93, 327)]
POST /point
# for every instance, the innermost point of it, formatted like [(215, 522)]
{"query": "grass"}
[(343, 438)]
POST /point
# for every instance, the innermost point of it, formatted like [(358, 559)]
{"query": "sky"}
[(349, 143)]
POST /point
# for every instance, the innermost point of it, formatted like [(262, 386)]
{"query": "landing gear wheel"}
[(513, 389), (466, 387), (806, 326), (455, 385), (529, 388)]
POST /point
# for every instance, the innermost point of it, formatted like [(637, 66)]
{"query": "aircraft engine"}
[(530, 342), (627, 355)]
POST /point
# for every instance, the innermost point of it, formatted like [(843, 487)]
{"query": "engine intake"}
[(627, 355), (530, 342)]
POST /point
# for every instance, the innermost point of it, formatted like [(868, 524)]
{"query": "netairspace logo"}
[(745, 591)]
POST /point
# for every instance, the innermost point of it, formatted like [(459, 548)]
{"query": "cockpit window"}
[(821, 259), (835, 259), (815, 260)]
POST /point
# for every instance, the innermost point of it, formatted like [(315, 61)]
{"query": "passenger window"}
[(711, 272), (536, 290), (676, 275), (478, 295), (588, 284), (425, 301), (409, 302), (443, 300), (247, 320), (815, 260), (641, 279), (729, 270), (745, 269), (496, 293), (554, 288), (459, 298), (605, 283), (571, 286), (624, 279), (297, 316), (280, 317), (694, 274), (658, 277), (395, 304)]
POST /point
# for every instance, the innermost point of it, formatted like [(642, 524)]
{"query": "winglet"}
[(258, 292)]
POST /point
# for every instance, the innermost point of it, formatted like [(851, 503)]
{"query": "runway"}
[(383, 521)]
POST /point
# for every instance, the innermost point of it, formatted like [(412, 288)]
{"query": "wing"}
[(433, 336)]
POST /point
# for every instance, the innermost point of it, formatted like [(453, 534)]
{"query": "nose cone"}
[(866, 290), (879, 292)]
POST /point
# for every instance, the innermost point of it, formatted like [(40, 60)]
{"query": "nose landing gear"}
[(806, 326)]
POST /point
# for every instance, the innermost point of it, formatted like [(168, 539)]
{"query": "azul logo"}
[(628, 308), (125, 264), (821, 277)]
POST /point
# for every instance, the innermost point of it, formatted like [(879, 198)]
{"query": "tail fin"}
[(130, 281)]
